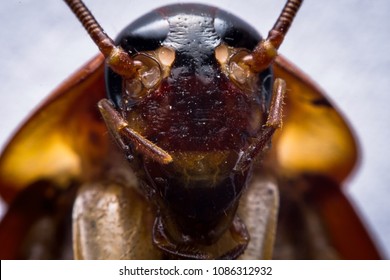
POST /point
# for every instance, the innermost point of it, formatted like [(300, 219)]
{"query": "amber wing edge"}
[(46, 134), (306, 104)]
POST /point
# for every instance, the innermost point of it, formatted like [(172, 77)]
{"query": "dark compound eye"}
[(145, 34), (234, 32)]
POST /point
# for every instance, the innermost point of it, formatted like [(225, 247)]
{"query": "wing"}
[(66, 126), (312, 154), (44, 162), (315, 138)]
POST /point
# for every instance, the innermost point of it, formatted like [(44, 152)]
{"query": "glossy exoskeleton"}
[(202, 111), (195, 96)]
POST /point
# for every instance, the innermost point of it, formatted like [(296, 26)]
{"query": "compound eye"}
[(154, 67), (231, 63)]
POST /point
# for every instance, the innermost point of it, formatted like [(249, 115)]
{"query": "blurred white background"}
[(343, 45)]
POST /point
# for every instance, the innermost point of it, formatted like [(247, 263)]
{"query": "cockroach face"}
[(194, 101), (191, 108)]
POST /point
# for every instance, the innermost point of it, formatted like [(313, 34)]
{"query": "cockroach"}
[(188, 137)]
